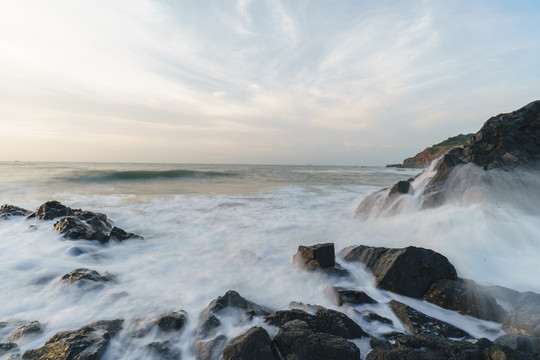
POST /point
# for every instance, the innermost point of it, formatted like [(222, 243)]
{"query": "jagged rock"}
[(51, 210), (369, 316), (466, 297), (210, 349), (401, 187), (172, 321), (84, 276), (75, 229), (86, 343), (492, 351), (7, 348), (162, 350), (419, 323), (7, 211), (253, 344), (341, 295), (408, 271), (523, 343), (323, 321), (297, 341), (31, 329), (320, 256)]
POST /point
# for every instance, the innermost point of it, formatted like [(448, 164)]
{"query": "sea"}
[(212, 228)]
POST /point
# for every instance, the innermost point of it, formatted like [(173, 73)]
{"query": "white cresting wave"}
[(199, 245)]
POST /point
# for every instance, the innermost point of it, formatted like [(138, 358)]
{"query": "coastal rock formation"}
[(172, 321), (253, 344), (297, 340), (319, 257), (82, 277), (341, 295), (31, 329), (408, 271), (163, 350), (6, 348), (7, 211), (86, 343)]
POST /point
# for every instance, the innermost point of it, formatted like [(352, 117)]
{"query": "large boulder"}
[(466, 297), (408, 271), (51, 210), (253, 344), (87, 343), (297, 341), (163, 350), (171, 321)]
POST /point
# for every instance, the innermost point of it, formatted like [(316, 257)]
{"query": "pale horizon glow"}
[(257, 82)]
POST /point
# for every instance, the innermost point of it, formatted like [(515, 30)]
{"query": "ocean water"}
[(212, 228)]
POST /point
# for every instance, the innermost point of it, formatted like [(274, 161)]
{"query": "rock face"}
[(320, 256), (84, 276), (465, 297), (87, 343), (7, 211), (297, 341), (31, 329), (408, 271), (172, 321), (253, 344), (341, 296), (525, 319), (162, 350), (401, 187), (80, 224), (421, 324)]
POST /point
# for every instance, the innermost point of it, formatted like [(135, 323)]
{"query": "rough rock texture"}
[(31, 329), (253, 344), (210, 349), (341, 296), (369, 316), (84, 276), (86, 343), (162, 350), (525, 319), (172, 321), (466, 297), (408, 271), (320, 256), (80, 224), (323, 321), (401, 187), (526, 344), (7, 211), (421, 324), (297, 341)]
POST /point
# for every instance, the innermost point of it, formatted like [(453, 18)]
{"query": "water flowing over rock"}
[(162, 350), (408, 271), (87, 343), (341, 296), (6, 348), (84, 276), (7, 211), (253, 344), (319, 257), (172, 321), (31, 329), (297, 341)]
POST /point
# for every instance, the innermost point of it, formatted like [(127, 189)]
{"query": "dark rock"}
[(448, 162), (31, 329), (408, 271), (525, 319), (466, 297), (83, 277), (253, 344), (86, 343), (162, 350), (401, 187), (7, 348), (172, 321), (320, 256), (296, 341), (419, 323), (51, 210), (75, 229), (7, 211), (121, 235), (211, 349), (369, 316), (523, 343), (323, 321), (341, 295), (492, 351)]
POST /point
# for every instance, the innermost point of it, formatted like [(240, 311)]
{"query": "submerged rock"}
[(84, 276), (421, 324), (408, 271), (341, 296), (172, 321), (7, 211), (253, 344), (210, 349), (163, 350), (297, 341), (8, 347), (87, 343), (31, 329)]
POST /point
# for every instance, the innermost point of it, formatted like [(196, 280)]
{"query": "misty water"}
[(212, 228)]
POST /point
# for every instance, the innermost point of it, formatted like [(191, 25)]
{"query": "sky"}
[(340, 82)]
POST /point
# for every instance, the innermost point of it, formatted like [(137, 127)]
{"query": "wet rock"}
[(253, 344), (466, 297), (323, 321), (86, 343), (121, 235), (31, 329), (75, 229), (162, 350), (523, 343), (320, 256), (369, 316), (210, 349), (51, 210), (84, 276), (525, 319), (172, 321), (401, 187), (421, 324), (297, 341), (7, 348), (493, 351), (408, 271), (7, 211), (341, 295)]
